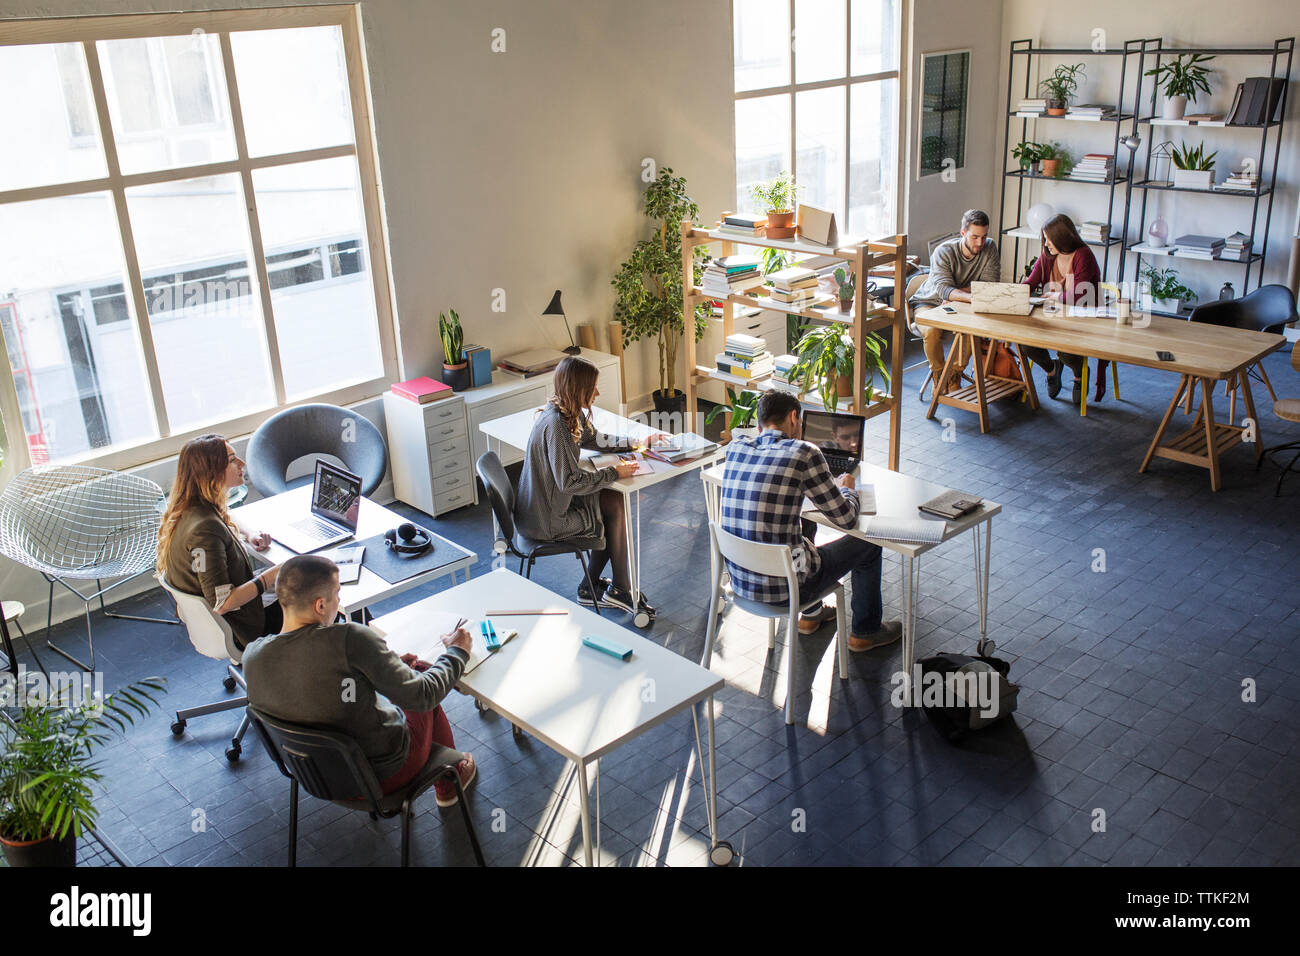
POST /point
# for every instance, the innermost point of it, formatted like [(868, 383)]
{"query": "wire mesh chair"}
[(77, 523)]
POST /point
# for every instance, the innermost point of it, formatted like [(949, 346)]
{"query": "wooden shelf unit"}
[(862, 257)]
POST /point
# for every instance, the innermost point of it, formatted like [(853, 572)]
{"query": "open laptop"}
[(839, 436), (1004, 298), (335, 504)]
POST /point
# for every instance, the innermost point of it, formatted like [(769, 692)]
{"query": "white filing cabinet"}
[(434, 447)]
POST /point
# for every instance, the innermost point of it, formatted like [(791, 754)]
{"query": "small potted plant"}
[(777, 198), (1193, 169), (1050, 157), (845, 287), (455, 370), (1027, 155), (1182, 76), (742, 407), (48, 770), (1162, 292), (1060, 87), (826, 362)]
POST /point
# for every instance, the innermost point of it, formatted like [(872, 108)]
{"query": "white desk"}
[(578, 701), (897, 496), (513, 430), (373, 519)]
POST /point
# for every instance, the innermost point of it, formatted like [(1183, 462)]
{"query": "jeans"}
[(838, 558), (426, 727)]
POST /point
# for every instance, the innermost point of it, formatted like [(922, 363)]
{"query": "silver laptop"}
[(840, 438), (335, 504), (1004, 298)]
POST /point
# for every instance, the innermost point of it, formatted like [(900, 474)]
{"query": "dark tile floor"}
[(1131, 712)]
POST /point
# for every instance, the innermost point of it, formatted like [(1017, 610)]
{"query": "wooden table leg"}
[(942, 386), (979, 389), (1249, 400), (1211, 445), (1027, 374), (1164, 422)]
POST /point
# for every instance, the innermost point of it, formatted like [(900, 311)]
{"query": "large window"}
[(817, 86), (188, 228)]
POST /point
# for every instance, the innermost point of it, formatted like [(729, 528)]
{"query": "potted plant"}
[(774, 260), (1182, 77), (455, 370), (1193, 169), (47, 769), (1162, 292), (742, 407), (1050, 156), (1027, 155), (1060, 87), (845, 286), (825, 363), (648, 286), (777, 198)]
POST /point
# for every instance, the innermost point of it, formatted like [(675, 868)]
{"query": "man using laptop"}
[(955, 264), (764, 485)]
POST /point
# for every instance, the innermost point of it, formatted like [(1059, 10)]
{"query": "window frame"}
[(88, 31), (965, 114), (847, 82)]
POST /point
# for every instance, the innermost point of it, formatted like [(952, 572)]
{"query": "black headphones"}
[(413, 540)]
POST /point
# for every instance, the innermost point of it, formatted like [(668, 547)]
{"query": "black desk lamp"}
[(556, 309)]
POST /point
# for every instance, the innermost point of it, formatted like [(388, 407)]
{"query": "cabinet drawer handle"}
[(448, 466), (755, 325), (454, 498), (454, 481), (448, 431)]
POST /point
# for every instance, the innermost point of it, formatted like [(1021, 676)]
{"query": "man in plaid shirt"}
[(764, 485)]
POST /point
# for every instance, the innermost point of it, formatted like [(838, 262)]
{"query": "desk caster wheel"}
[(178, 728), (518, 734), (722, 854), (985, 647), (642, 619), (228, 684), (478, 705), (233, 751), (500, 546)]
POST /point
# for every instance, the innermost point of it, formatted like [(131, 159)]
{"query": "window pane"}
[(167, 101), (80, 379), (762, 144), (818, 40), (873, 156), (313, 231), (762, 41), (943, 111), (819, 138), (875, 36), (52, 119), (293, 89), (192, 240)]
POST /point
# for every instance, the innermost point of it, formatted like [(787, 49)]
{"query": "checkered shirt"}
[(763, 488)]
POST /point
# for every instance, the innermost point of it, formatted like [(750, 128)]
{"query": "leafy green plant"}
[(778, 194), (1192, 157), (742, 406), (846, 284), (453, 338), (1183, 75), (1051, 151), (1164, 284), (47, 770), (774, 260), (1063, 83), (826, 352), (648, 286), (1026, 154)]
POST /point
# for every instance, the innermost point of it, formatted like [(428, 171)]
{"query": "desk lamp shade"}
[(555, 308)]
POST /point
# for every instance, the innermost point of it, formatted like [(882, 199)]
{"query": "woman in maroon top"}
[(1067, 272)]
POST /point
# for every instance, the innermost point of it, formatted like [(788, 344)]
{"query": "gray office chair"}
[(317, 430), (1267, 309), (332, 767)]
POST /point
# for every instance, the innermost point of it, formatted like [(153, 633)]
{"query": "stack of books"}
[(1198, 247), (1094, 168), (1240, 181), (422, 390), (1094, 231), (681, 447), (782, 367), (794, 285), (743, 226), (1236, 247), (529, 364), (731, 274), (1092, 111), (1031, 105), (746, 358)]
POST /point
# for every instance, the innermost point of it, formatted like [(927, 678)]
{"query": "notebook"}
[(349, 561), (951, 505), (906, 530)]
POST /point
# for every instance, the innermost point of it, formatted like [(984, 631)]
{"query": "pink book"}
[(422, 390)]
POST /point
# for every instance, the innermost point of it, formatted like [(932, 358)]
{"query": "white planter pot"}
[(1175, 107), (1161, 305), (1193, 178), (743, 433)]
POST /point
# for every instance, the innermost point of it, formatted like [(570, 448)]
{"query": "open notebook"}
[(428, 644), (906, 530)]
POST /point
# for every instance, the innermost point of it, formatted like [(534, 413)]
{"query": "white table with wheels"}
[(373, 519), (513, 431), (580, 702), (897, 496)]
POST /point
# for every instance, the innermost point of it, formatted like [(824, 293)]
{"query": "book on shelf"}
[(740, 371), (529, 364), (479, 358), (1091, 111), (793, 277), (744, 222), (743, 232), (1236, 242), (733, 264), (741, 360), (1194, 241), (1094, 230), (1256, 101), (422, 390), (740, 344)]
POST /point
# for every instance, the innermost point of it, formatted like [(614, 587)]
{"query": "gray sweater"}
[(950, 269), (343, 677)]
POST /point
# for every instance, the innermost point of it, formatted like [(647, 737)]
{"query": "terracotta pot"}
[(780, 224), (46, 852), (846, 305), (1056, 107), (844, 386), (1050, 167), (456, 377)]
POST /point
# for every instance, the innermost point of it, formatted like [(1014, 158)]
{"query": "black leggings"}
[(1044, 358), (615, 552)]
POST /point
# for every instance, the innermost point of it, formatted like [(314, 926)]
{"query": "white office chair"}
[(774, 560), (211, 637)]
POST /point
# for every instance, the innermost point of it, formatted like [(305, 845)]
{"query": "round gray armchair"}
[(316, 429)]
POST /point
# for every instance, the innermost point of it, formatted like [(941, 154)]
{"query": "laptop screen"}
[(835, 433), (336, 495)]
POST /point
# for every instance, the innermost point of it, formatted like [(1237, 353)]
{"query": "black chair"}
[(317, 430), (332, 767), (501, 495), (1267, 309), (1287, 409)]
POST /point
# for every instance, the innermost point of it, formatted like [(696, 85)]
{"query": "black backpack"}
[(967, 705)]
